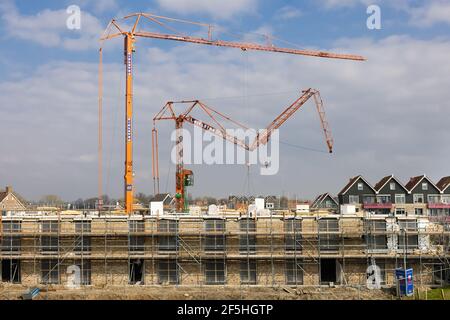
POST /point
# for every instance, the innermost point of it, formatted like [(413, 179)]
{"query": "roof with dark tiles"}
[(444, 183)]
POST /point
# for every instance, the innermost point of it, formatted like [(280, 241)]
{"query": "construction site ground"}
[(14, 292)]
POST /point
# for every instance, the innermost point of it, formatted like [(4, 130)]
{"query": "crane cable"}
[(112, 144), (100, 133), (168, 171), (100, 124), (247, 179)]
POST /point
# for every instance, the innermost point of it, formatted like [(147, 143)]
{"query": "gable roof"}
[(317, 199), (414, 182), (444, 183), (162, 197), (321, 198), (7, 192), (352, 182), (270, 198), (385, 180)]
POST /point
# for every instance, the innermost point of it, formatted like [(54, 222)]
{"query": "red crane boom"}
[(184, 177), (114, 30)]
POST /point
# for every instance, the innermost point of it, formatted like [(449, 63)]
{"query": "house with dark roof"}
[(357, 192), (441, 206), (270, 202), (391, 196), (420, 196), (10, 201), (444, 185), (325, 202), (238, 202), (422, 193), (165, 198)]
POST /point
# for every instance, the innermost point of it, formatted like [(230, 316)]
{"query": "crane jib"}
[(130, 34)]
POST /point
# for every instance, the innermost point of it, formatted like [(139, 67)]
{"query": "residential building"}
[(421, 192), (325, 202), (441, 207), (10, 201), (419, 197), (358, 192)]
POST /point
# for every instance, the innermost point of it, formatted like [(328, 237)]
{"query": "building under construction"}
[(224, 248), (256, 247)]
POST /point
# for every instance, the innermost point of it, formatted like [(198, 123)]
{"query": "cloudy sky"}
[(388, 115)]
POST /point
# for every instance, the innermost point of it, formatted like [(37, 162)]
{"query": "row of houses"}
[(419, 196), (389, 196)]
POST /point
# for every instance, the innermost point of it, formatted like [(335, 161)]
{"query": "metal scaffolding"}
[(227, 249)]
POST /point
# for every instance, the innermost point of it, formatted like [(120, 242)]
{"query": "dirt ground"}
[(14, 292)]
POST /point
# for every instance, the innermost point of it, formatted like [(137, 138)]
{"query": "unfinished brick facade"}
[(231, 250)]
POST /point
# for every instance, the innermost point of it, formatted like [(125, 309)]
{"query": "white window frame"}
[(431, 198), (403, 197), (360, 186), (353, 202), (424, 185), (392, 186), (416, 195), (381, 196)]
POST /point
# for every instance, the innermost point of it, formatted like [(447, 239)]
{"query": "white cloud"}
[(105, 5), (432, 13), (388, 115), (48, 28), (219, 9), (99, 6), (342, 3), (288, 12), (423, 14), (397, 4)]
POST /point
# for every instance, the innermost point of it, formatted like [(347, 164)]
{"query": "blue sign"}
[(405, 281)]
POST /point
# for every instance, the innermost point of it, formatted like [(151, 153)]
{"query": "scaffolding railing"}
[(312, 238)]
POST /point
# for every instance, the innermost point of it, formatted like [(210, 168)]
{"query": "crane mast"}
[(114, 30), (129, 174), (183, 177)]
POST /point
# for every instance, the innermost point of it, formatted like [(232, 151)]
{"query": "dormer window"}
[(360, 186), (424, 186), (392, 186)]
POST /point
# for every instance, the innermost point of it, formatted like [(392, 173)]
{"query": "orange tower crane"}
[(184, 177), (129, 31)]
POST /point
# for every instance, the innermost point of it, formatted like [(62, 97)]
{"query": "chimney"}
[(8, 189)]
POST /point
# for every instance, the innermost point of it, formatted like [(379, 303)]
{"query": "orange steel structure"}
[(184, 177), (129, 31)]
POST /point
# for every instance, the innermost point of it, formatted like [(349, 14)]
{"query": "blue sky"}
[(310, 23), (394, 101)]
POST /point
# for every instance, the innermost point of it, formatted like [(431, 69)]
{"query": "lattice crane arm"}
[(177, 36), (289, 112), (130, 30), (168, 113)]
